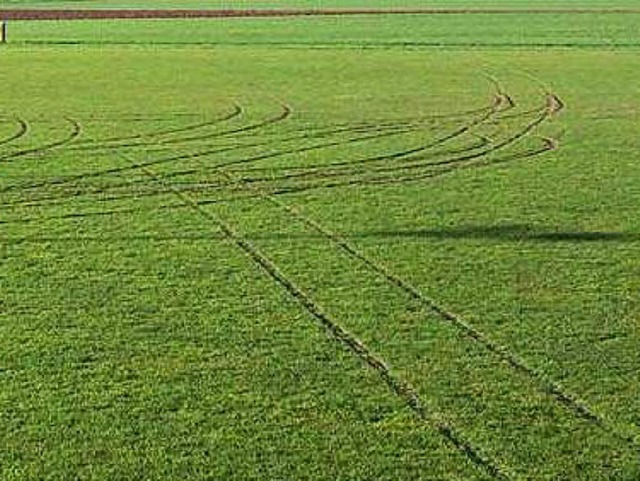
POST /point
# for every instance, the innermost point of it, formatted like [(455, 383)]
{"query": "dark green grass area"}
[(337, 263), (180, 361), (417, 31)]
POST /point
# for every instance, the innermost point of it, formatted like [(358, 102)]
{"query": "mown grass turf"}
[(411, 31), (143, 333)]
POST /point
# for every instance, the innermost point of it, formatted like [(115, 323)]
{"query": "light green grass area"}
[(253, 261)]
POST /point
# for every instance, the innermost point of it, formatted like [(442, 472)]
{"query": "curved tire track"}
[(23, 129), (397, 385), (101, 144), (76, 131), (578, 408)]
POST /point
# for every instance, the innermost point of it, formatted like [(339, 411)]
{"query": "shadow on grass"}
[(509, 232), (505, 233)]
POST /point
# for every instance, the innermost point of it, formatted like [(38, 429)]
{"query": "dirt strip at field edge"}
[(90, 14)]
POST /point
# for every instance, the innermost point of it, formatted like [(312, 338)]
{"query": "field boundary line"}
[(133, 14)]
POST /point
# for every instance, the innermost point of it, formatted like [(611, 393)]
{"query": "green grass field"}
[(586, 31), (364, 248)]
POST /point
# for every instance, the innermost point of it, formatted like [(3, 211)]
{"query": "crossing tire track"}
[(578, 407), (137, 166), (549, 144), (397, 385), (120, 142), (487, 112), (349, 171)]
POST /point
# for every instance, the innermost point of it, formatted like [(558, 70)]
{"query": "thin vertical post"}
[(3, 31)]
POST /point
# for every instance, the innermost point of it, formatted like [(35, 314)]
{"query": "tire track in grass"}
[(303, 133), (549, 144), (76, 131), (48, 200), (384, 123), (99, 144), (464, 158), (250, 128), (488, 111), (376, 130), (321, 146), (229, 199), (137, 166), (396, 180), (397, 385), (579, 408), (285, 113), (306, 132), (552, 106), (315, 173), (347, 167), (120, 117), (542, 382), (501, 102), (495, 108), (391, 156), (23, 129), (397, 155)]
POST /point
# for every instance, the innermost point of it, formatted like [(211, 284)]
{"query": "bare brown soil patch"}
[(57, 14)]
